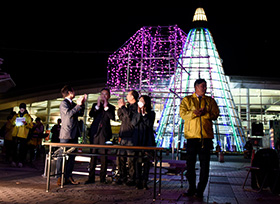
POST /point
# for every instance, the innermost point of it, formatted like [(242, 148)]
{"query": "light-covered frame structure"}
[(164, 62)]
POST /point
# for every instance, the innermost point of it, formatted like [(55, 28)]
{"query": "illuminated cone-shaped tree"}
[(200, 59)]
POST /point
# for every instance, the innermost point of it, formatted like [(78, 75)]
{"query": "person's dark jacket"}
[(55, 133), (128, 116), (101, 125), (144, 132)]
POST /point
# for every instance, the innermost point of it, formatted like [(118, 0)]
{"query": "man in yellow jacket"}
[(198, 111), (21, 125)]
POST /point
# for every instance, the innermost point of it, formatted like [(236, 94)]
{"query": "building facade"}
[(257, 100)]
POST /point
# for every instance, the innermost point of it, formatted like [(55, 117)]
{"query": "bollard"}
[(221, 157)]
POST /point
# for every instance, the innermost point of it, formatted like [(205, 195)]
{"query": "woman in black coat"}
[(144, 136)]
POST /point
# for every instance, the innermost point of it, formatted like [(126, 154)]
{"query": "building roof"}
[(253, 82), (49, 92)]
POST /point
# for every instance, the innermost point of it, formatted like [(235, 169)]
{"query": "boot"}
[(145, 186)]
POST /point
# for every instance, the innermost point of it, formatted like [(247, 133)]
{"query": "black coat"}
[(101, 125), (144, 132), (128, 116), (55, 133)]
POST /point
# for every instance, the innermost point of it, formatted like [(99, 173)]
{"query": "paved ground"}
[(27, 185)]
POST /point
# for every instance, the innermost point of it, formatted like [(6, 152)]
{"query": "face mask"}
[(140, 104)]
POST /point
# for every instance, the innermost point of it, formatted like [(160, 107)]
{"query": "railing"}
[(157, 158)]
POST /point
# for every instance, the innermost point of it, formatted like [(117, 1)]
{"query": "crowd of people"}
[(137, 119), (22, 135)]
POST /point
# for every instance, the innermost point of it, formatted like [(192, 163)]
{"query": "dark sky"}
[(49, 43)]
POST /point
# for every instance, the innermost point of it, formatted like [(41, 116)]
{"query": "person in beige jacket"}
[(198, 111)]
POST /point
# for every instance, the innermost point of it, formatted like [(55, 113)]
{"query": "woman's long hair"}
[(148, 103)]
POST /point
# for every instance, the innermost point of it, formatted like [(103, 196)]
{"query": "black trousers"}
[(121, 161), (103, 172), (142, 167), (194, 148), (19, 154)]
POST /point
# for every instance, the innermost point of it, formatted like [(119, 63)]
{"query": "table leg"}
[(49, 168), (160, 168), (155, 175), (63, 167)]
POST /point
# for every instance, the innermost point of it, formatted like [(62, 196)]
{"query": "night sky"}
[(51, 43)]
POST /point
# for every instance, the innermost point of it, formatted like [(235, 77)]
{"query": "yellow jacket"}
[(194, 124), (23, 130)]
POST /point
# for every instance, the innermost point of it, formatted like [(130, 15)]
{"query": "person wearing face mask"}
[(22, 123), (127, 115), (100, 132), (144, 135)]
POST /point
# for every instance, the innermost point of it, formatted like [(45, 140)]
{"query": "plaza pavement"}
[(28, 185)]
